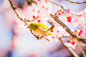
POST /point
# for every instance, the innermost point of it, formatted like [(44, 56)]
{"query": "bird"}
[(40, 29)]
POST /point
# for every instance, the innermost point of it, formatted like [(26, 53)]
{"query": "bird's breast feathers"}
[(40, 31)]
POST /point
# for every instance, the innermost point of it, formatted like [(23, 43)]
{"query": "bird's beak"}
[(28, 27)]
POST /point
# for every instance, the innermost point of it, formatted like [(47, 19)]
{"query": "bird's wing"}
[(42, 26)]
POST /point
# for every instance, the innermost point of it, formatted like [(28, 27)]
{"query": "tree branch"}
[(33, 1), (63, 25), (31, 20), (67, 29), (81, 49), (63, 8), (21, 5), (50, 22), (76, 2), (69, 49), (16, 12)]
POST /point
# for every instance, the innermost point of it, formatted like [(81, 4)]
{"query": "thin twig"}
[(79, 46), (22, 19), (46, 38), (16, 12), (65, 37), (37, 37), (20, 5), (69, 37), (34, 35), (82, 45), (50, 22), (31, 20), (63, 8), (69, 49), (33, 1), (76, 2)]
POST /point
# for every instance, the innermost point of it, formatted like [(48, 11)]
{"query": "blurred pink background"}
[(17, 42)]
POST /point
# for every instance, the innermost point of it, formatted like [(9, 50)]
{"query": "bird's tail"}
[(52, 28)]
